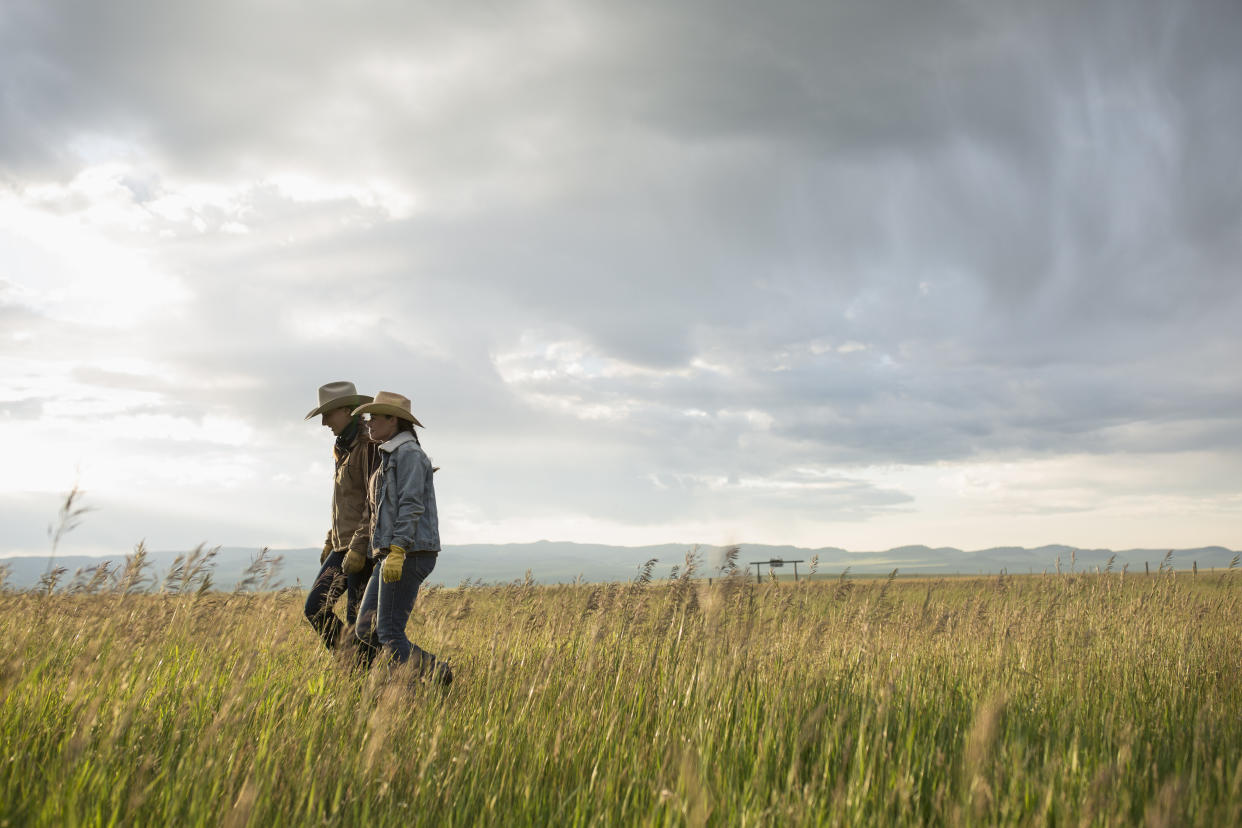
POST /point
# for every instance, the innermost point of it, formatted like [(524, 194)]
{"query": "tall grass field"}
[(1070, 699)]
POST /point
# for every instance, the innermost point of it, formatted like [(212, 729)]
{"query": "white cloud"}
[(62, 265)]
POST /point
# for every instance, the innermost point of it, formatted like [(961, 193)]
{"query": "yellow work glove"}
[(393, 564), (354, 562), (327, 550)]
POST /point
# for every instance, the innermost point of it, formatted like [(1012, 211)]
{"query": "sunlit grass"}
[(1096, 699)]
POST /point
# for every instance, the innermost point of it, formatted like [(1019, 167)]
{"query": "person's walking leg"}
[(357, 585), (365, 633), (396, 602), (328, 586)]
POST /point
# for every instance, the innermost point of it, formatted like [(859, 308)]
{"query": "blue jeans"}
[(329, 584), (386, 608)]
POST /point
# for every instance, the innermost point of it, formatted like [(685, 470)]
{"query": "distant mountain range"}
[(555, 562)]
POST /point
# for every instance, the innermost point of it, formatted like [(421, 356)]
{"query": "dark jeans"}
[(386, 608), (328, 586)]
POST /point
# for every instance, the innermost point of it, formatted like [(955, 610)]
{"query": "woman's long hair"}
[(406, 425)]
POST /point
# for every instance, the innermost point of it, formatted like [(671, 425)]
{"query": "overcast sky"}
[(841, 273)]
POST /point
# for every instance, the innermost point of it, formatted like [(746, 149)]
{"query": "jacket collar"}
[(345, 440), (391, 444)]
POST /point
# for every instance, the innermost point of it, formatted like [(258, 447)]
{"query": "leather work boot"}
[(441, 674)]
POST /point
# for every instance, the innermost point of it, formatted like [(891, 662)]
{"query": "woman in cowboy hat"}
[(405, 534), (354, 456)]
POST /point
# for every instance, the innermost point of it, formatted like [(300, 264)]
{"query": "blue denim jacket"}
[(403, 499)]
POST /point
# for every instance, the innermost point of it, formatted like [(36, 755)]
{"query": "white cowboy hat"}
[(338, 395), (386, 402)]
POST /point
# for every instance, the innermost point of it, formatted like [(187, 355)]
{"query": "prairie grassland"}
[(1067, 699)]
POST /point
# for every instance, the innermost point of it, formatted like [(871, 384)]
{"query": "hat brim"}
[(392, 410), (350, 402)]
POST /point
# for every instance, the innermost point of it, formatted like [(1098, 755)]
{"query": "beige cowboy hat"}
[(338, 395), (387, 402)]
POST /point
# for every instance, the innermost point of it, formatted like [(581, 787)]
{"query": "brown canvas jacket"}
[(351, 520)]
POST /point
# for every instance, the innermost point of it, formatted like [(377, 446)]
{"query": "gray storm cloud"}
[(682, 252)]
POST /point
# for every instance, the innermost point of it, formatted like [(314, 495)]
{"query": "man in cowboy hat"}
[(354, 458)]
